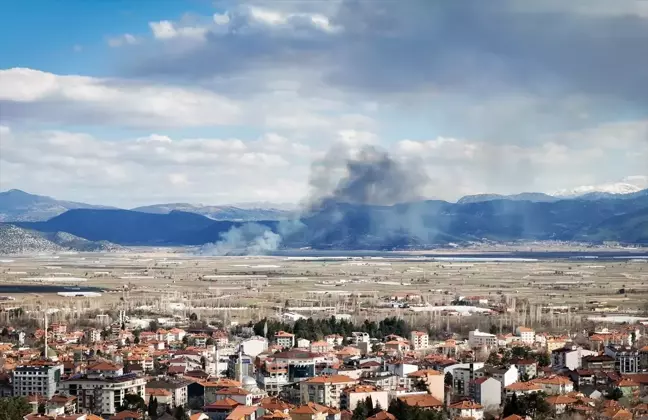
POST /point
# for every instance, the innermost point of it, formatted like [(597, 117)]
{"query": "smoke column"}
[(344, 185)]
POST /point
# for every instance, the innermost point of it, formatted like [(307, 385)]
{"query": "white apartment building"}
[(285, 340), (102, 390), (419, 340), (40, 377), (103, 396), (527, 335), (480, 339)]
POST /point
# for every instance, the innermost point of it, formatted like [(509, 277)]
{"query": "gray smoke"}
[(247, 239), (367, 176), (251, 239)]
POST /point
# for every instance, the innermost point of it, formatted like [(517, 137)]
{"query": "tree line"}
[(316, 329)]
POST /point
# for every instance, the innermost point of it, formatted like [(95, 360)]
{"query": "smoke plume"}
[(247, 239), (366, 176), (345, 185)]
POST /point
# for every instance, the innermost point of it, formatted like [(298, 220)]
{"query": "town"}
[(318, 369)]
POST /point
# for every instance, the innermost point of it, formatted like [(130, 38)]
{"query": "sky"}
[(129, 103)]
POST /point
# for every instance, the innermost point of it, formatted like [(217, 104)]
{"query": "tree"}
[(448, 379), (369, 404), (193, 317), (180, 414), (14, 408), (616, 394), (42, 409), (543, 359), (361, 411), (133, 402), (512, 406), (152, 407), (153, 326), (493, 329)]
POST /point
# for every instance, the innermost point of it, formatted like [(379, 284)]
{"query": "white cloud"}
[(125, 39), (36, 95), (221, 18), (166, 29), (154, 168)]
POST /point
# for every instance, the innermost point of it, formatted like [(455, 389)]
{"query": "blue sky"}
[(136, 102)]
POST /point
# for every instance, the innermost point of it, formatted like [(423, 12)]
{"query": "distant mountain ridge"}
[(531, 196), (349, 226), (19, 206), (219, 212)]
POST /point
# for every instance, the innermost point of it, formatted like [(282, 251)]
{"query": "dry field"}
[(248, 288)]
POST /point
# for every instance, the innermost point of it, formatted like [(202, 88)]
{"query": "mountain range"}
[(338, 225), (19, 206)]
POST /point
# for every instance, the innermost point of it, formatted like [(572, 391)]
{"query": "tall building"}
[(40, 377), (103, 388)]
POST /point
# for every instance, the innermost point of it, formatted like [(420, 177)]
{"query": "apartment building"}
[(626, 359), (40, 377), (285, 340), (480, 339), (419, 340), (325, 390), (103, 388)]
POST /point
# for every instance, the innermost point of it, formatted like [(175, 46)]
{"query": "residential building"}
[(521, 388), (478, 339), (325, 390), (505, 375), (643, 359), (527, 335), (487, 392), (254, 346), (359, 393), (433, 380), (559, 403), (286, 368), (599, 362), (466, 409), (102, 394), (626, 359), (39, 377), (462, 376), (176, 387), (554, 385), (527, 368), (419, 340), (569, 357), (285, 340), (423, 401)]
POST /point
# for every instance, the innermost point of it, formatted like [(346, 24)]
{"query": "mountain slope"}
[(218, 212), (15, 240), (350, 226), (537, 197), (19, 206), (124, 227), (629, 228)]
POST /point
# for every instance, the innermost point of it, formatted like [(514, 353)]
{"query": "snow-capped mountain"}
[(628, 185)]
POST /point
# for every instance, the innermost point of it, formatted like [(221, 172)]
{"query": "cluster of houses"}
[(123, 374)]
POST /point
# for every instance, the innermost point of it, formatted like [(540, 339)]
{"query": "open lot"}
[(171, 281)]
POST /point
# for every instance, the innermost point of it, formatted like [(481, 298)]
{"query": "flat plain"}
[(241, 289)]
